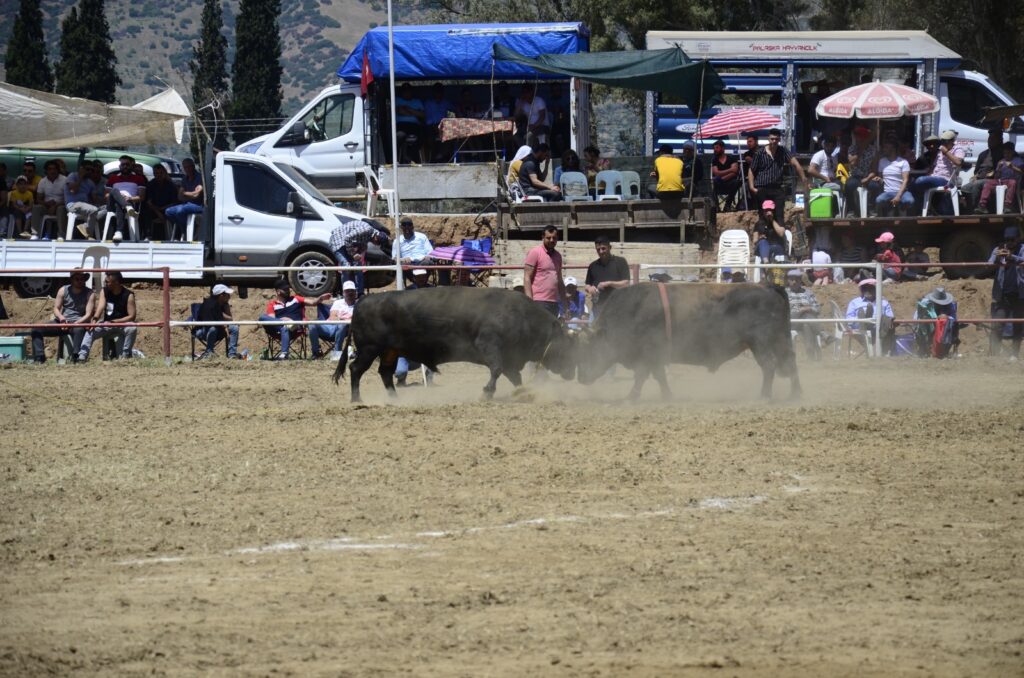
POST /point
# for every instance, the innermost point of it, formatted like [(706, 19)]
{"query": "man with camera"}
[(1007, 291)]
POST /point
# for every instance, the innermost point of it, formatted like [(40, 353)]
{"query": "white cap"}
[(419, 271), (570, 281), (517, 281), (221, 289), (348, 285)]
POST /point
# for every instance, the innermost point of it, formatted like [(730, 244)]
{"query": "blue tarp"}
[(462, 51)]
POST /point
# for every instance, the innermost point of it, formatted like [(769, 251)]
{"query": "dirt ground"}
[(243, 518)]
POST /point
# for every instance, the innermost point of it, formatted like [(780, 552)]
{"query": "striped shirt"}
[(802, 301), (768, 169), (351, 233)]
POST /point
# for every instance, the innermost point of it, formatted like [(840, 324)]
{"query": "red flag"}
[(367, 75)]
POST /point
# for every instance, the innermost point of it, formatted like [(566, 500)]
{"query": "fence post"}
[(878, 309), (167, 314)]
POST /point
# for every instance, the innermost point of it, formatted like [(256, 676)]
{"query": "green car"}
[(15, 159)]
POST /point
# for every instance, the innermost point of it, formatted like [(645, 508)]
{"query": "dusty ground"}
[(242, 518)]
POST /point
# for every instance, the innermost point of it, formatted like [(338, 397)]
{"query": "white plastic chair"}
[(133, 226), (374, 191), (612, 182), (630, 185), (733, 250), (1000, 198), (190, 227), (862, 198), (515, 192), (42, 225), (951, 187), (843, 332), (574, 187)]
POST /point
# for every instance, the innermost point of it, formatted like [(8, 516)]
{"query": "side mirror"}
[(294, 206), (296, 135)]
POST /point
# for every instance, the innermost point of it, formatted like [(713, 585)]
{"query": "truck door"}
[(253, 227), (332, 154), (963, 104)]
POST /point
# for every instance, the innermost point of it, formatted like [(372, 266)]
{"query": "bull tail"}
[(339, 371)]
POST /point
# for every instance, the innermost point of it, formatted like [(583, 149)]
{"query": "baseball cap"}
[(867, 281), (21, 177), (348, 285), (405, 220), (768, 205), (221, 289), (416, 271), (885, 237), (948, 135), (283, 284), (570, 281), (930, 138), (794, 273)]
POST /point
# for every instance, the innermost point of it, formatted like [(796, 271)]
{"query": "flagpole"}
[(399, 278)]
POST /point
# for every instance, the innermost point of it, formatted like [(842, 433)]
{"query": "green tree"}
[(256, 73), (25, 62), (209, 67), (88, 64)]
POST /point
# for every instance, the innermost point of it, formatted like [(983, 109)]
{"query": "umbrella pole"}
[(743, 176)]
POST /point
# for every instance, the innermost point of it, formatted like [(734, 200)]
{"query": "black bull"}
[(500, 329), (710, 324)]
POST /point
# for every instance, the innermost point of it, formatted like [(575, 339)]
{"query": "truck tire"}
[(31, 288), (315, 280), (973, 244)]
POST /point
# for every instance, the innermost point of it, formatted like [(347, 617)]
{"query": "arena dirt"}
[(243, 518)]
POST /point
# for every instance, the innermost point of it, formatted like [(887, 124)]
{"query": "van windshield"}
[(303, 183)]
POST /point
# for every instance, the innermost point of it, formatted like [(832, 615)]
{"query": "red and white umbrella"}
[(877, 100), (735, 121)]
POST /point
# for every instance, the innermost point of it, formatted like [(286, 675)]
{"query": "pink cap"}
[(768, 205), (885, 237), (867, 281)]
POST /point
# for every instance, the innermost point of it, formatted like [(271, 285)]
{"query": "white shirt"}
[(892, 173), (536, 110), (128, 187), (825, 163), (340, 310), (52, 190)]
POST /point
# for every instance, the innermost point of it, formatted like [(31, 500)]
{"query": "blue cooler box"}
[(12, 349)]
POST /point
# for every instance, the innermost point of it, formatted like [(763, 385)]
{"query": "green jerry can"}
[(821, 203)]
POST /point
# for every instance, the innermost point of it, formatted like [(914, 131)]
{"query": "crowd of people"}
[(37, 206)]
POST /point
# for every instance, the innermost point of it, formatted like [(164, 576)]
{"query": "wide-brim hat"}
[(940, 297)]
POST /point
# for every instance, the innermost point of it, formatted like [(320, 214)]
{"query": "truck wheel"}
[(967, 245), (314, 279), (30, 288)]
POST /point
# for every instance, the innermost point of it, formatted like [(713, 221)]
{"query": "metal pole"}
[(399, 280), (878, 309), (167, 314)]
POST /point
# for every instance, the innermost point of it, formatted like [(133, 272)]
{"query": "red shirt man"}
[(542, 274)]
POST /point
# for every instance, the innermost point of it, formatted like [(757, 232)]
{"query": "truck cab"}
[(964, 96)]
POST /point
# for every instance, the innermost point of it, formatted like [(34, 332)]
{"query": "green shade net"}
[(668, 71)]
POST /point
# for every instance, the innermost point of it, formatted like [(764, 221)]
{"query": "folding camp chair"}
[(297, 336), (194, 317)]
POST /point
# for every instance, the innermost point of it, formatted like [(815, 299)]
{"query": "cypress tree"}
[(25, 62), (88, 63), (209, 66), (256, 73)]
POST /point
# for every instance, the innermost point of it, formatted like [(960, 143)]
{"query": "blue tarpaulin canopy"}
[(462, 51)]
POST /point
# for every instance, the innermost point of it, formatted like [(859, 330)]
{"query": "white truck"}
[(260, 213)]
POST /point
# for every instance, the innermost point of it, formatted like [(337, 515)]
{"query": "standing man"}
[(1007, 291), (75, 303), (532, 117), (217, 308), (349, 242), (190, 193), (116, 305), (767, 166), (542, 273), (605, 274), (411, 247)]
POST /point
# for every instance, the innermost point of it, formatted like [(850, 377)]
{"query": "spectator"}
[(516, 164), (409, 118), (752, 148), (341, 311), (33, 179), (605, 274), (126, 192), (852, 253), (947, 161), (769, 235), (411, 247), (436, 109), (1007, 173), (668, 171), (50, 199), (531, 179), (570, 163), (190, 193), (738, 277), (78, 200), (726, 275), (504, 102), (821, 274), (161, 193), (862, 163), (1007, 291), (284, 305), (349, 242), (116, 304), (575, 306), (420, 279), (467, 108), (725, 175), (985, 167), (531, 117), (893, 176), (73, 304), (594, 163), (693, 169), (940, 338), (558, 118), (20, 201), (5, 188), (917, 255), (217, 308), (803, 304), (659, 275), (888, 257), (767, 167), (542, 273), (863, 307)]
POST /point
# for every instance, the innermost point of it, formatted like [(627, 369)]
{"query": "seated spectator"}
[(725, 175), (33, 179), (738, 277), (570, 163), (5, 187), (726, 275), (217, 308), (984, 167), (116, 304), (1007, 291), (1007, 173), (594, 163), (74, 304), (284, 305), (515, 164), (20, 201), (420, 279), (668, 171), (341, 311), (50, 200), (190, 197), (161, 193), (863, 161), (78, 200), (411, 247), (892, 177), (852, 253), (693, 170), (577, 304), (467, 108), (863, 306), (769, 235), (821, 274), (940, 338), (126, 192), (917, 255), (888, 257), (409, 118), (803, 304), (436, 109), (948, 160), (531, 177)]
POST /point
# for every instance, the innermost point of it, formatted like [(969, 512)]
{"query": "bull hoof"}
[(487, 395), (796, 394)]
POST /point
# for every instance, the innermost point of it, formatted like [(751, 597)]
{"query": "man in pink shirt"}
[(542, 275)]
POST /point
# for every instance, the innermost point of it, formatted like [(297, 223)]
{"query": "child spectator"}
[(821, 274), (20, 200), (888, 257)]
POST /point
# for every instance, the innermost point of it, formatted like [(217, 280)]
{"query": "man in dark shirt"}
[(217, 308), (605, 274), (767, 169), (531, 179), (161, 193), (1008, 291)]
